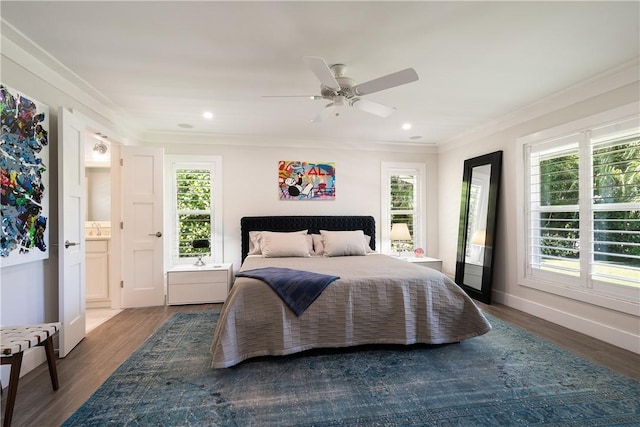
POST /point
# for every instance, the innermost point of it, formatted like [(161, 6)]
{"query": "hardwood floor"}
[(615, 358), (107, 346)]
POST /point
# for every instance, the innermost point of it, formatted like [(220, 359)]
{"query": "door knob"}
[(158, 234), (68, 243)]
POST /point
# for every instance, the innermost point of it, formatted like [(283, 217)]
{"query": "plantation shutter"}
[(581, 216), (193, 210), (403, 202), (554, 214), (615, 218)]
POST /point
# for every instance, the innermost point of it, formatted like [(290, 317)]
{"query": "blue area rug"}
[(507, 377)]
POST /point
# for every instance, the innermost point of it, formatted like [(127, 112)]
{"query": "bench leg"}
[(16, 362), (51, 361)]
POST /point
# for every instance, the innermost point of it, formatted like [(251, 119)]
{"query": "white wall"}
[(611, 91), (250, 181), (29, 292)]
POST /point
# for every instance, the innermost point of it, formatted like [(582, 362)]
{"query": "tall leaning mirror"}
[(478, 217)]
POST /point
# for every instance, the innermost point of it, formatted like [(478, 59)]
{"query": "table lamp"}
[(199, 245), (400, 232)]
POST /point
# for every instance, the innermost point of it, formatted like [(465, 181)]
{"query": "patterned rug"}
[(507, 377)]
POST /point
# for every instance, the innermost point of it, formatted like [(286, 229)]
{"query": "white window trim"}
[(208, 162), (393, 168), (550, 284)]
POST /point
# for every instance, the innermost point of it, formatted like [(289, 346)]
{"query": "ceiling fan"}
[(341, 90)]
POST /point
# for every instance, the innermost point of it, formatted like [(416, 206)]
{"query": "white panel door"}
[(142, 234), (71, 206)]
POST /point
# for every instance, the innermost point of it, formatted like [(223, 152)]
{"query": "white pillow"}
[(255, 238), (367, 241), (309, 243), (318, 246), (275, 245), (343, 243)]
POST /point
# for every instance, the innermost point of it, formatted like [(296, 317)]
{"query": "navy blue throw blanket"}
[(297, 288)]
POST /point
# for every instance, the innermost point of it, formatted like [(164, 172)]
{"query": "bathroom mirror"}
[(476, 232)]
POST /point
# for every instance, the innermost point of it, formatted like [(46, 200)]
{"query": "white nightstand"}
[(424, 261), (190, 284)]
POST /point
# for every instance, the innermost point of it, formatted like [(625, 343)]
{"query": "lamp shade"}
[(400, 231), (200, 244), (478, 237)]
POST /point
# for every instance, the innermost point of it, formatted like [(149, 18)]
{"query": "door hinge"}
[(121, 225), (122, 283), (121, 162)]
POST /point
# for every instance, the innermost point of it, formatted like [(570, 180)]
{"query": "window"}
[(193, 209), (582, 209), (402, 185), (195, 200)]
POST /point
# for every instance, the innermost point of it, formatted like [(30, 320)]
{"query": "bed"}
[(377, 299)]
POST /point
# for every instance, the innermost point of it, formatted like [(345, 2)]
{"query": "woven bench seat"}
[(14, 340)]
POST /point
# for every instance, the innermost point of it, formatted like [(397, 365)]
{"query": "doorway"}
[(101, 254)]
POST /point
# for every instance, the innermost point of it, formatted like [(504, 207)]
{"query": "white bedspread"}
[(377, 300)]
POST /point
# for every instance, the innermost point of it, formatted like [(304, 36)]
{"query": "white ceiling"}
[(163, 63)]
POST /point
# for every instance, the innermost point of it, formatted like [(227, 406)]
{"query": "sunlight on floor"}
[(97, 316)]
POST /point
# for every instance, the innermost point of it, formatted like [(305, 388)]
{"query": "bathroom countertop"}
[(97, 237)]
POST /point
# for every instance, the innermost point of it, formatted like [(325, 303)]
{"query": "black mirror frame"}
[(495, 160)]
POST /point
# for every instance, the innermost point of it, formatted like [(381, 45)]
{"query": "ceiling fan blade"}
[(322, 71), (385, 82), (324, 113), (314, 97), (373, 107)]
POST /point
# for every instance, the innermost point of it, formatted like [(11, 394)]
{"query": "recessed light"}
[(185, 126), (406, 126), (207, 115)]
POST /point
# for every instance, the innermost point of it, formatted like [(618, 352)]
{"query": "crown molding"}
[(161, 137), (612, 79), (18, 48)]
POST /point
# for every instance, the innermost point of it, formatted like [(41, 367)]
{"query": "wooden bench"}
[(14, 340)]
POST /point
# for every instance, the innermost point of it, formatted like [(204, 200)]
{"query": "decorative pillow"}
[(275, 245), (255, 239), (367, 241), (318, 246), (254, 243), (309, 243), (343, 243)]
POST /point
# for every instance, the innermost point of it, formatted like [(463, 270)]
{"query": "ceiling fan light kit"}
[(341, 90)]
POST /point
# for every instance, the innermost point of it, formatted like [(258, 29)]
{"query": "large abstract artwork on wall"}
[(306, 180), (24, 178)]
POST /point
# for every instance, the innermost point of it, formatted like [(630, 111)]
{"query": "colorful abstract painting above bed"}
[(375, 299)]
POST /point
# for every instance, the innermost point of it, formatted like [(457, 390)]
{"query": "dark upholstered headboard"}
[(313, 223)]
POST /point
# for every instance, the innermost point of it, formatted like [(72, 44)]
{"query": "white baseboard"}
[(605, 333), (31, 359)]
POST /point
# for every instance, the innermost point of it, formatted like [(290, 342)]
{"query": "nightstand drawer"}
[(188, 284), (434, 263), (197, 293), (192, 277)]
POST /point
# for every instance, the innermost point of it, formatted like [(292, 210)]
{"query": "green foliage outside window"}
[(616, 179), (193, 204), (402, 207), (559, 185)]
